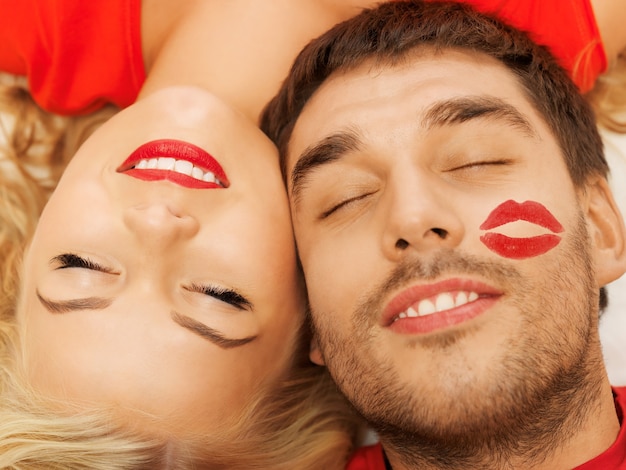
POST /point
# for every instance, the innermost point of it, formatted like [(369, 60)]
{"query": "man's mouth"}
[(438, 303), (423, 309)]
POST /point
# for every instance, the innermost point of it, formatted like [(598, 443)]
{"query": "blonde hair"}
[(608, 96), (300, 423)]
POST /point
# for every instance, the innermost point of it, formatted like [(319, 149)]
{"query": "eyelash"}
[(220, 293), (481, 163), (71, 260), (467, 166), (335, 208)]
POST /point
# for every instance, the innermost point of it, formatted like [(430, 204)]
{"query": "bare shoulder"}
[(239, 49), (158, 19)]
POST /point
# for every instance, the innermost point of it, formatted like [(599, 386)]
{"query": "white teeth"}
[(209, 178), (426, 307), (442, 302), (184, 167), (166, 163), (179, 166), (411, 312), (197, 173), (461, 299)]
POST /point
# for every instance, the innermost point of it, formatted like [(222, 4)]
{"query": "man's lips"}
[(180, 162), (427, 308)]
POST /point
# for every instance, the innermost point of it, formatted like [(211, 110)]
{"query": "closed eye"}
[(343, 204), (72, 260), (478, 164), (222, 294)]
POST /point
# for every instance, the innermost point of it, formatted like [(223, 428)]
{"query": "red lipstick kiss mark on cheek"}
[(530, 211), (521, 248)]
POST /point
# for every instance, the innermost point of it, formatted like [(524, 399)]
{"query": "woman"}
[(160, 313)]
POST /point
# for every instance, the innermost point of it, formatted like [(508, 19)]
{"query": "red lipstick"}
[(177, 150), (530, 211), (521, 248)]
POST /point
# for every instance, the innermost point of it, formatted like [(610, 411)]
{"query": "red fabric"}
[(80, 54), (77, 54), (371, 457), (567, 27), (615, 456), (367, 458)]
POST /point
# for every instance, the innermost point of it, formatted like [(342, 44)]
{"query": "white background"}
[(613, 322)]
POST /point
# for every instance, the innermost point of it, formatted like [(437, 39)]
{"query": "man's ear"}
[(606, 228), (315, 354)]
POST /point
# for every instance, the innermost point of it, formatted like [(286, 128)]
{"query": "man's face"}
[(447, 274)]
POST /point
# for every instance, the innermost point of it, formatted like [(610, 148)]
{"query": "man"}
[(455, 226)]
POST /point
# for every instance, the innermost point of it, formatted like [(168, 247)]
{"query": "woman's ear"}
[(606, 229), (315, 354)]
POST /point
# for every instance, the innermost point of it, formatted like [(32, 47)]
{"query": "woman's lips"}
[(427, 308), (519, 248), (177, 161), (530, 211), (523, 247)]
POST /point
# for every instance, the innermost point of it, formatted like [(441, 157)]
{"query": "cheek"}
[(337, 270), (162, 373), (262, 241)]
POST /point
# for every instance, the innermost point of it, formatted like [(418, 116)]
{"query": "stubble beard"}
[(533, 399)]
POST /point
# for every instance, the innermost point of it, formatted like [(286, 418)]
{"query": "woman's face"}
[(165, 293)]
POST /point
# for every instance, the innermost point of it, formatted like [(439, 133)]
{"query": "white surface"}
[(613, 322)]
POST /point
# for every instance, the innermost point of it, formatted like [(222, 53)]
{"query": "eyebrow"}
[(65, 306), (464, 109), (442, 113), (331, 148), (99, 303), (209, 333)]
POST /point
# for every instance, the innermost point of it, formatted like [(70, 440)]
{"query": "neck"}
[(580, 436), (239, 50)]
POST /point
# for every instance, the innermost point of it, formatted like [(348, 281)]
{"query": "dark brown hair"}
[(388, 33)]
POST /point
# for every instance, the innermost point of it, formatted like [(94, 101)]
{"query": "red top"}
[(614, 458), (567, 27), (80, 54), (77, 54)]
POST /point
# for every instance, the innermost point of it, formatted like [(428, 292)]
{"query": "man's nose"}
[(160, 224), (419, 216)]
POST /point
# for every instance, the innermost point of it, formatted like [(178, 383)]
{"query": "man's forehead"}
[(377, 93)]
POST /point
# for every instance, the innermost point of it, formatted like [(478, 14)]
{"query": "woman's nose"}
[(160, 224)]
